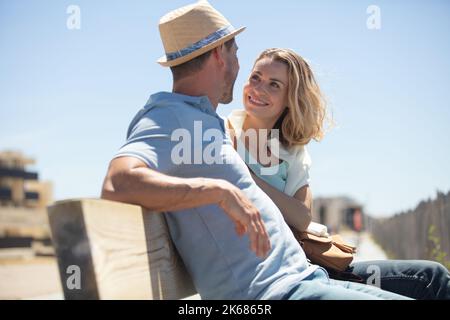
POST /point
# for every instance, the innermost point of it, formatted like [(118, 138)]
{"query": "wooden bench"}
[(121, 251)]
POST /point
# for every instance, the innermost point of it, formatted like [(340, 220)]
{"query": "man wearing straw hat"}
[(230, 235)]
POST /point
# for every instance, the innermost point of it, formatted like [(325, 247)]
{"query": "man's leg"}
[(418, 279), (319, 287)]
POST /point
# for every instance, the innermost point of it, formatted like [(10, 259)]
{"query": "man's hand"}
[(245, 216)]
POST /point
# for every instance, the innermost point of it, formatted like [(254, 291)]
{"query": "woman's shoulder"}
[(292, 151), (236, 118), (299, 163), (297, 154)]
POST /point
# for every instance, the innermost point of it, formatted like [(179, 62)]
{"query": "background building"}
[(339, 213), (19, 187), (24, 228)]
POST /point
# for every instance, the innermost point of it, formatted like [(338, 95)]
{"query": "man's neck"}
[(196, 88)]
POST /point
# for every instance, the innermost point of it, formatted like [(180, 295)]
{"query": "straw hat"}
[(192, 30)]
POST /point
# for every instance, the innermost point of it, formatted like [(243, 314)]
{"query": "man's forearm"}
[(160, 192), (129, 180)]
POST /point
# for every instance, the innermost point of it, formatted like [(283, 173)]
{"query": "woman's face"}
[(265, 93)]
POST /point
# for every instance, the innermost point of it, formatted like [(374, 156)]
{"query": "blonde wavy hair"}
[(306, 113)]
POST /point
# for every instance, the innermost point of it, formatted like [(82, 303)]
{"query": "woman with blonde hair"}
[(296, 116), (284, 111)]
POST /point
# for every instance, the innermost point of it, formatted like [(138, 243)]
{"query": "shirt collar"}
[(201, 102)]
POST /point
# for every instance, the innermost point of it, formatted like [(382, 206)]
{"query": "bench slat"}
[(123, 251)]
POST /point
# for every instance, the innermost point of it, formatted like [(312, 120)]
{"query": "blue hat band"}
[(200, 44)]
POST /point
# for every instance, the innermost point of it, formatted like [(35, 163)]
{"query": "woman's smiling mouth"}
[(257, 102)]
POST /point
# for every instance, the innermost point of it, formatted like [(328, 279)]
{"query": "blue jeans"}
[(418, 279), (318, 286)]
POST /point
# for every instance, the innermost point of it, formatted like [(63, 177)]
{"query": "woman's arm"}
[(296, 210), (304, 195)]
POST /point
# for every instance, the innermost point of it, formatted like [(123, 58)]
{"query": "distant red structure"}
[(339, 212), (357, 220)]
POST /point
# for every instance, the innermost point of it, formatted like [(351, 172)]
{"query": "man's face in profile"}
[(231, 72)]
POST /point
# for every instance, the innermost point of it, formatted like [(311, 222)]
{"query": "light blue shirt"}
[(276, 180), (220, 262)]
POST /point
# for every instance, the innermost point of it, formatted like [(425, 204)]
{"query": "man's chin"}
[(226, 100)]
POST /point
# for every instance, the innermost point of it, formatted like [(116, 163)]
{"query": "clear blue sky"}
[(67, 96)]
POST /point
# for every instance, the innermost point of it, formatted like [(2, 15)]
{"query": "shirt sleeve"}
[(150, 139), (298, 172)]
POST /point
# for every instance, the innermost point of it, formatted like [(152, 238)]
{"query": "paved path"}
[(367, 249), (36, 278)]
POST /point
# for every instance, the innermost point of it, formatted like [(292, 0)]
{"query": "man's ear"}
[(217, 53)]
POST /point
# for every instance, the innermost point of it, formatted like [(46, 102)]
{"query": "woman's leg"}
[(319, 287), (369, 290), (418, 279)]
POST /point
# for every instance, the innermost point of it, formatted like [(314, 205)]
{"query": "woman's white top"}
[(297, 157)]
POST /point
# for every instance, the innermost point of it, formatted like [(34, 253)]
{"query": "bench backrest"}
[(118, 251)]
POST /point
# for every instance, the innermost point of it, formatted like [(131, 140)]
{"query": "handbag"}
[(329, 252)]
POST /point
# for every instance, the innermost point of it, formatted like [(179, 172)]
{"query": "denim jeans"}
[(418, 279), (318, 286)]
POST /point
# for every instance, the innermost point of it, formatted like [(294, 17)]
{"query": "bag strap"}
[(344, 275), (311, 237), (339, 242)]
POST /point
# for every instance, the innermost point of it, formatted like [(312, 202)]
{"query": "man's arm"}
[(296, 210), (130, 180)]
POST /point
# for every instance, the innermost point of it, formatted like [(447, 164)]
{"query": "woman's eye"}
[(275, 85), (254, 77)]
